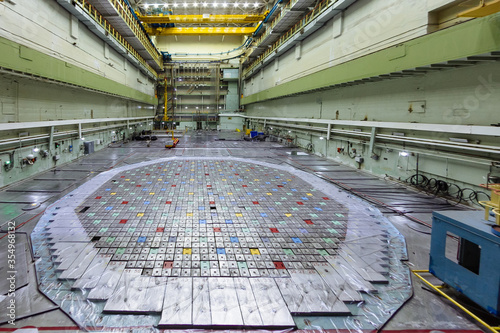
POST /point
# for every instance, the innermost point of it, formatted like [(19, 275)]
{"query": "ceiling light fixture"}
[(195, 4), (245, 5), (185, 4), (255, 5), (165, 5), (156, 5), (224, 4), (215, 4), (146, 5), (235, 4), (205, 4)]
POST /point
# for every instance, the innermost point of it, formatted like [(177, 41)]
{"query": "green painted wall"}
[(462, 96), (470, 38), (23, 59), (66, 153), (232, 98)]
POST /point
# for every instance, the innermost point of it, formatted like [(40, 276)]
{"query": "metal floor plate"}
[(24, 198), (43, 186)]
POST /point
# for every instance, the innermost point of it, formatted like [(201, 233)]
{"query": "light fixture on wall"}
[(460, 140), (403, 153), (82, 138), (36, 150), (321, 138)]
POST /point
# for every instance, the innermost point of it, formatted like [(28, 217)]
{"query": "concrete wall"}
[(66, 73), (231, 123), (463, 96), (181, 46), (459, 96)]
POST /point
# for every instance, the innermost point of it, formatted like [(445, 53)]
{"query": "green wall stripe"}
[(23, 59), (474, 37)]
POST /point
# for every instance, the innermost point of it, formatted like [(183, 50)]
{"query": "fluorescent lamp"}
[(459, 140)]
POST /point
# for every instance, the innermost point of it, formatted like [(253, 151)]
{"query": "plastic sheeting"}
[(338, 268)]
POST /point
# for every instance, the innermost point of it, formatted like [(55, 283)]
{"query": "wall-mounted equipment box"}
[(230, 73), (471, 266), (88, 147)]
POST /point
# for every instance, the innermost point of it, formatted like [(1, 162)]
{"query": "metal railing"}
[(309, 17), (127, 16), (92, 12)]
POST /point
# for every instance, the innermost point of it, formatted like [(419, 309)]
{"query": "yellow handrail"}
[(292, 31), (92, 12)]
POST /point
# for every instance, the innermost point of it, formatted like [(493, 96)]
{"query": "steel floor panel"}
[(307, 159), (345, 176), (63, 175), (20, 267), (362, 183), (10, 211), (316, 163), (24, 198), (28, 300), (42, 186), (331, 167), (79, 167)]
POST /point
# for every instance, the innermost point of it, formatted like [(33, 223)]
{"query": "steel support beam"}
[(208, 19), (200, 31)]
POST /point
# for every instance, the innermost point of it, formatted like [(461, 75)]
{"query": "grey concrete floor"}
[(424, 311)]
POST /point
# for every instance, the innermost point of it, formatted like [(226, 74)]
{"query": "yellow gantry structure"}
[(200, 31), (208, 19), (484, 9)]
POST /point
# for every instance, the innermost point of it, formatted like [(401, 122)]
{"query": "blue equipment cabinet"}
[(476, 270)]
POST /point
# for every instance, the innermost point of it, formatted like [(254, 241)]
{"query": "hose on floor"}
[(444, 189)]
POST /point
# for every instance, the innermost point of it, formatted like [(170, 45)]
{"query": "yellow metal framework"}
[(92, 12), (127, 16), (297, 28), (165, 110), (237, 19), (437, 289), (493, 204), (484, 9), (201, 31)]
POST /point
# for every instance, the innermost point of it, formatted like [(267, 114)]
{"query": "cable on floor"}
[(445, 190)]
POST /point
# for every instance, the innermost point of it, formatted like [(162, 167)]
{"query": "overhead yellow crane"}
[(237, 19), (200, 31)]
